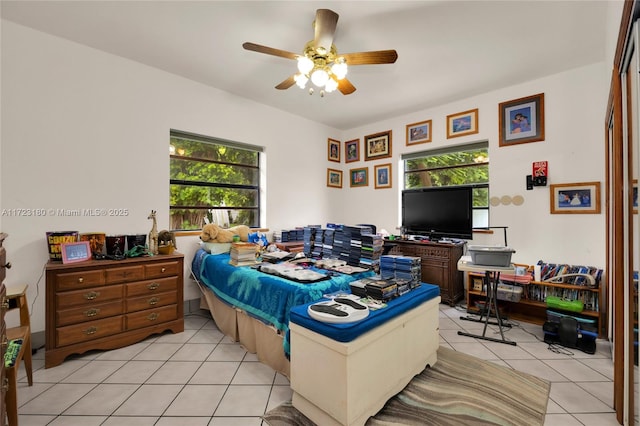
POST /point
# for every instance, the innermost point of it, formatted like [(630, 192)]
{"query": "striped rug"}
[(459, 390)]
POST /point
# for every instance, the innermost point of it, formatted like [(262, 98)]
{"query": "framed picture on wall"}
[(575, 198), (521, 120), (377, 146), (352, 151), (359, 177), (462, 124), (383, 176), (333, 149), (419, 132), (334, 178)]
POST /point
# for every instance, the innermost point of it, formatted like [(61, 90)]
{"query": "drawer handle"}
[(154, 301), (5, 385), (92, 295), (92, 312), (163, 270), (153, 316), (91, 330), (153, 286), (80, 280)]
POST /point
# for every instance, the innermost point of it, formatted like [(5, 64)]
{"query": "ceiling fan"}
[(320, 61)]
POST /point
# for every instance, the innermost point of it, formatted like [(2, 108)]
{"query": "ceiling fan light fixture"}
[(319, 77), (305, 64), (331, 85), (301, 80), (339, 69)]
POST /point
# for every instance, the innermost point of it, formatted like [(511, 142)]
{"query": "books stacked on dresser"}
[(243, 254)]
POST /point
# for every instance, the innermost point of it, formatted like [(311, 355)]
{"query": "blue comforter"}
[(263, 296)]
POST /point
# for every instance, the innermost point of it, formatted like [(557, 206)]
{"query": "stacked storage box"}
[(406, 270)]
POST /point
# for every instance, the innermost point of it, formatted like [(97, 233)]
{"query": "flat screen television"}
[(442, 212)]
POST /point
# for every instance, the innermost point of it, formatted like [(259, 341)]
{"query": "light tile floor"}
[(199, 377)]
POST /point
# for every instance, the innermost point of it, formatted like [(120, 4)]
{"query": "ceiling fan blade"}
[(325, 28), (371, 58), (269, 50), (286, 83), (345, 87)]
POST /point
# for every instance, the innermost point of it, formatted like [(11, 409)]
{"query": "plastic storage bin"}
[(510, 293), (491, 255)]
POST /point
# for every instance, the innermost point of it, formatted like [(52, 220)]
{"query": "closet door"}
[(622, 146)]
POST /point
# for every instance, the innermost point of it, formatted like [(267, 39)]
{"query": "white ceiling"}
[(447, 50)]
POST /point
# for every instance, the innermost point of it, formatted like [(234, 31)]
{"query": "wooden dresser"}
[(108, 304), (4, 265), (439, 265)]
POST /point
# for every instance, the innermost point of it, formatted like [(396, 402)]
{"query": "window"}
[(212, 178), (454, 166)]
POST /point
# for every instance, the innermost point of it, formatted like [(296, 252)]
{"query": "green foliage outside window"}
[(206, 178)]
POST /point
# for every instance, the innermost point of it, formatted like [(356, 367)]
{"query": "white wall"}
[(85, 129), (574, 127)]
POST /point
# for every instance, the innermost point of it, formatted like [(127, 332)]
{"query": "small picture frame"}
[(75, 252), (377, 146), (359, 177), (419, 132), (333, 150), (334, 178), (575, 198), (352, 151), (382, 176), (462, 124), (634, 196), (521, 120)]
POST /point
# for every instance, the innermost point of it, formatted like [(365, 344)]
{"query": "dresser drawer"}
[(151, 301), (152, 286), (89, 330), (73, 280), (151, 317), (89, 297), (159, 270), (89, 313), (125, 274)]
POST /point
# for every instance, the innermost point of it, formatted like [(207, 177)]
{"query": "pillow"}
[(216, 248)]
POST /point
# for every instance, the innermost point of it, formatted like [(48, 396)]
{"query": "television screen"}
[(443, 212)]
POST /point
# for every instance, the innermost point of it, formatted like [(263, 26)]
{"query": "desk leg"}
[(490, 303)]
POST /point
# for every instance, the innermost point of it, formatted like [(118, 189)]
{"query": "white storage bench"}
[(342, 374)]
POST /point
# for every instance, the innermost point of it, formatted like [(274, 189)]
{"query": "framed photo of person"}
[(377, 146), (383, 176), (359, 177), (352, 151), (75, 252), (333, 149), (521, 120), (334, 178), (575, 198), (462, 124), (419, 132)]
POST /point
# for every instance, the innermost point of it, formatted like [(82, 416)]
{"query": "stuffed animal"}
[(166, 238), (212, 233)]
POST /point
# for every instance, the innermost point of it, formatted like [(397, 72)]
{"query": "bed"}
[(252, 307)]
